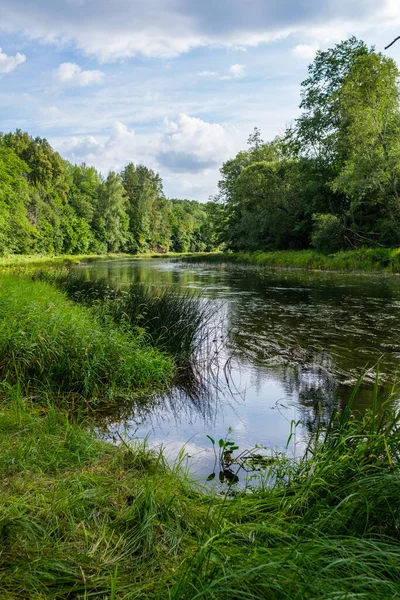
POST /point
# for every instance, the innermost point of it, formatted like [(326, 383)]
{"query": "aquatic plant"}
[(174, 320)]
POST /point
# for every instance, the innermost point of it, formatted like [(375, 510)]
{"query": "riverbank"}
[(34, 261), (364, 259), (52, 346), (82, 518), (86, 519)]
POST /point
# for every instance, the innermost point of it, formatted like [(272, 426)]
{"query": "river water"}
[(290, 347)]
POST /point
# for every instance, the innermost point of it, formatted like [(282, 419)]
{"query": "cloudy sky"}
[(175, 84)]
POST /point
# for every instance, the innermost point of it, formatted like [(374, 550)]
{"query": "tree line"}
[(332, 180), (50, 206)]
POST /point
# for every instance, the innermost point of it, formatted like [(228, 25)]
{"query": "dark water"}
[(291, 346)]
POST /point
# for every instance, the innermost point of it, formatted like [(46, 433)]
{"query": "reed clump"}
[(51, 344), (173, 320)]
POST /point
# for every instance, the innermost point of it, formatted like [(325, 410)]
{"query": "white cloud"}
[(191, 145), (306, 51), (237, 71), (8, 63), (167, 28), (207, 74), (110, 153), (50, 113), (72, 74)]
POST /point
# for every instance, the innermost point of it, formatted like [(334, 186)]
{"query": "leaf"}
[(211, 439), (221, 443), (211, 477), (231, 476), (221, 476)]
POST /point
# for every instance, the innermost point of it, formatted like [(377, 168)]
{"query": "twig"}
[(391, 43)]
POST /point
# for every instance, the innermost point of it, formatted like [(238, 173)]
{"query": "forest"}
[(332, 181), (50, 206)]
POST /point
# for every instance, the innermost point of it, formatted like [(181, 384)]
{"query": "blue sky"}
[(175, 84)]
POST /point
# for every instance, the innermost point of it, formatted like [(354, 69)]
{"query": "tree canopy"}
[(50, 206), (332, 180)]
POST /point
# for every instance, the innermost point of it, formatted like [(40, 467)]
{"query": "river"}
[(290, 347)]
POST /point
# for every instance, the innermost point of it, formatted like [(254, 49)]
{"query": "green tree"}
[(111, 220), (17, 234), (369, 138), (146, 204), (316, 130)]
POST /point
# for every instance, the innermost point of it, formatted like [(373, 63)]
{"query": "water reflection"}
[(296, 343)]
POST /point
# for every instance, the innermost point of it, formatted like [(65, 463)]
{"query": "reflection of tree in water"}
[(314, 331), (318, 333), (316, 391), (195, 395)]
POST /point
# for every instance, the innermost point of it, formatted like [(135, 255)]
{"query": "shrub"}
[(327, 235)]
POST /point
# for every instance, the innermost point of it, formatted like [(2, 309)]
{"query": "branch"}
[(391, 44)]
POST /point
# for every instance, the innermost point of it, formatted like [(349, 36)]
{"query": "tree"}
[(270, 211), (147, 229), (317, 128), (111, 220), (370, 142), (84, 186), (16, 232)]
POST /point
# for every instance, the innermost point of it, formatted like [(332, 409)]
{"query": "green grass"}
[(51, 344), (173, 320), (80, 518), (25, 262), (363, 259)]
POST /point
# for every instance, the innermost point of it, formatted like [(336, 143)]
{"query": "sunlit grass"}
[(84, 519), (51, 344), (363, 259)]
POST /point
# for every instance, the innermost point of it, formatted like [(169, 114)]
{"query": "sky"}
[(177, 85)]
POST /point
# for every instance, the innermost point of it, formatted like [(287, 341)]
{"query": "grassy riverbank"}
[(34, 261), (80, 518), (173, 320), (363, 259), (51, 345)]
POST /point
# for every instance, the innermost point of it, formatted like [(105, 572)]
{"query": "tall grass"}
[(51, 344), (99, 521), (327, 526), (174, 320), (362, 259)]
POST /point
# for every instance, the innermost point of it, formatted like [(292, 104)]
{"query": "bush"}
[(327, 235)]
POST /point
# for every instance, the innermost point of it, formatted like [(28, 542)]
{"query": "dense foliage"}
[(49, 206), (332, 181)]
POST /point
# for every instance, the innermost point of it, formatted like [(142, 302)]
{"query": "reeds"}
[(173, 320), (48, 343)]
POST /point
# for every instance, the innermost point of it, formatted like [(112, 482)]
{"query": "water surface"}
[(291, 346)]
